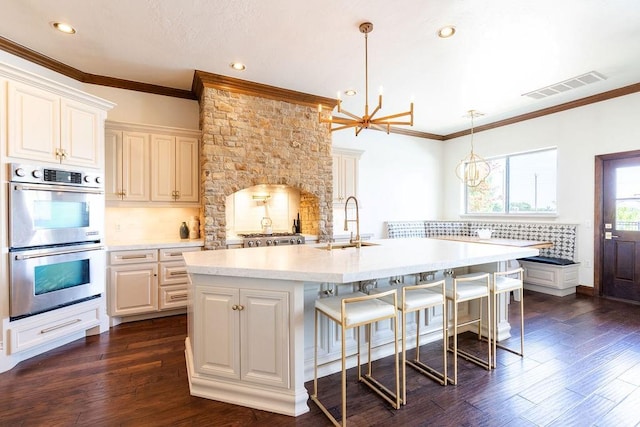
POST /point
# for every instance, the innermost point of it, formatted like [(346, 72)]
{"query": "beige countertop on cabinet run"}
[(113, 245)]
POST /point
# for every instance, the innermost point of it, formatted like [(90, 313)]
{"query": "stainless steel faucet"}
[(357, 221)]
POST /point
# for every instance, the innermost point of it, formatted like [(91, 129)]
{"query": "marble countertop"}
[(121, 245), (313, 263)]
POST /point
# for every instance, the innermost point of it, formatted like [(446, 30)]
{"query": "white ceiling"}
[(502, 48)]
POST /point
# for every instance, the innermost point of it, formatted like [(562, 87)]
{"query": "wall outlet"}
[(117, 227)]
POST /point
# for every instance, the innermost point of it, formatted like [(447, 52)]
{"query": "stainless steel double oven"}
[(56, 236)]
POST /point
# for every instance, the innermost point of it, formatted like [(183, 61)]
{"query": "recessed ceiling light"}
[(446, 32), (350, 92), (63, 28), (238, 66)]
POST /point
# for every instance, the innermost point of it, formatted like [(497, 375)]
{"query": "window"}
[(627, 199), (523, 183)]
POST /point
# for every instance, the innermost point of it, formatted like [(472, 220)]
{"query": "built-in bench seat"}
[(550, 260), (554, 271)]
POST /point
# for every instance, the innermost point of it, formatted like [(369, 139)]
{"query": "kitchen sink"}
[(345, 246)]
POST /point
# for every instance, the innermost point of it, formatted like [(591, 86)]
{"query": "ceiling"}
[(502, 49)]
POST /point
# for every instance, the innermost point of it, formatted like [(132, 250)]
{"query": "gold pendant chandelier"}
[(366, 121), (473, 169)]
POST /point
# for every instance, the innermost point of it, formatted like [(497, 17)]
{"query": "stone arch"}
[(249, 140)]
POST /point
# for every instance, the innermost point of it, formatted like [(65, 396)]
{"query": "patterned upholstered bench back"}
[(563, 236), (398, 229)]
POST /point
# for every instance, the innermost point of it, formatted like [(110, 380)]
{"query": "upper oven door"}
[(46, 214)]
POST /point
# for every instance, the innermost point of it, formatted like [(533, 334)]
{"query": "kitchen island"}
[(247, 309)]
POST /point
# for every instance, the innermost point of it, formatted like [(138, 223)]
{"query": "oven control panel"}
[(47, 175)]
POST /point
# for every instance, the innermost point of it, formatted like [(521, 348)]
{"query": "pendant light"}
[(473, 169)]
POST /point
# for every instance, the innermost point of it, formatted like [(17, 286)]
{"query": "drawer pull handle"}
[(178, 273), (178, 297), (134, 256), (60, 326), (174, 254)]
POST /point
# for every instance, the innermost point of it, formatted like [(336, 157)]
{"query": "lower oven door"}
[(49, 278)]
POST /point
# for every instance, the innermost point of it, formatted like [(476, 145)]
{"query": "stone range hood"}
[(255, 134)]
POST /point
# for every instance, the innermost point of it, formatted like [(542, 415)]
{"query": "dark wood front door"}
[(621, 228)]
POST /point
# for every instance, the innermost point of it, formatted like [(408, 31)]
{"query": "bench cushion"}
[(550, 260)]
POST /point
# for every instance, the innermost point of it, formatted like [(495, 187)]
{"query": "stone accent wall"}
[(249, 140)]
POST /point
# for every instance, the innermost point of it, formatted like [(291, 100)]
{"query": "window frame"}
[(507, 197)]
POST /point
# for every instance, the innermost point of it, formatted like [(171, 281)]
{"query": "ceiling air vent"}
[(585, 79)]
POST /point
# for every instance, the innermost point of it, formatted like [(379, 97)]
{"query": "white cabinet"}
[(42, 329), (174, 281), (127, 166), (173, 162), (42, 125), (147, 281), (133, 282), (558, 280), (247, 335), (345, 174), (152, 164)]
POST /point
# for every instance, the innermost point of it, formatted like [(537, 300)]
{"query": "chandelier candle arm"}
[(366, 121)]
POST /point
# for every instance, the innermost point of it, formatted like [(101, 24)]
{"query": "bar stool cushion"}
[(416, 298), (467, 290), (504, 284), (356, 312)]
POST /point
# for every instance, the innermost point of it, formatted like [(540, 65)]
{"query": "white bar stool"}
[(502, 284), (414, 299), (352, 311), (468, 288)]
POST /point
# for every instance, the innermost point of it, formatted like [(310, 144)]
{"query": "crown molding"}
[(626, 90), (66, 70), (203, 79)]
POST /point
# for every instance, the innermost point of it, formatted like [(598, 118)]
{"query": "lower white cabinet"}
[(133, 289), (147, 281), (558, 280), (247, 335), (47, 327)]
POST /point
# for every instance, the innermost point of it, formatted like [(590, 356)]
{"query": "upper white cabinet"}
[(152, 164), (174, 167), (127, 165), (46, 126), (345, 174)]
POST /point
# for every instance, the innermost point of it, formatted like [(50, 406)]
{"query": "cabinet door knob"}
[(240, 307), (234, 307)]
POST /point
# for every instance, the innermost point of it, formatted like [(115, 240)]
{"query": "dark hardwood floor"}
[(582, 368)]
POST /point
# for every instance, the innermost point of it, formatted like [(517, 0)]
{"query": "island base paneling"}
[(225, 363), (248, 342)]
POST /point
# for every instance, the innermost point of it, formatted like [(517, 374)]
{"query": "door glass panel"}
[(53, 214), (62, 275), (628, 198)]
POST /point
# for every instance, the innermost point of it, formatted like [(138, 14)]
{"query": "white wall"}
[(580, 134), (399, 179), (147, 108)]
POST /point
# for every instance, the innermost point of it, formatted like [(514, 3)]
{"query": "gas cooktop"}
[(254, 235), (251, 240)]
